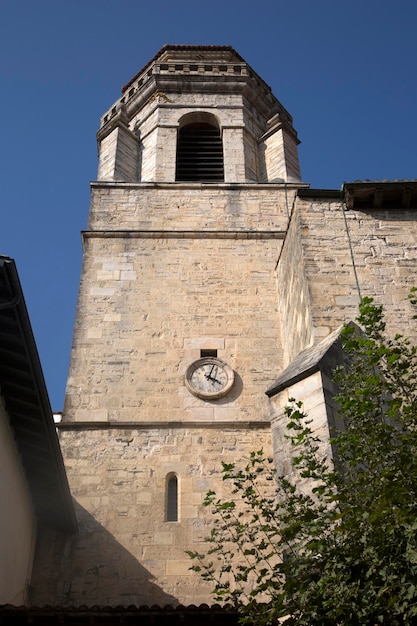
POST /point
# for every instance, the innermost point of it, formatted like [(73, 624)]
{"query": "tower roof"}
[(170, 52), (197, 67)]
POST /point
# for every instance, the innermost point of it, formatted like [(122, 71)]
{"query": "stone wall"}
[(147, 307), (190, 207), (152, 297), (125, 552), (293, 293), (310, 391), (383, 244), (168, 271)]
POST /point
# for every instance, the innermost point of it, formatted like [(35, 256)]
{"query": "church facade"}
[(209, 268)]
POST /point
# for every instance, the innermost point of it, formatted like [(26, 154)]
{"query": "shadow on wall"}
[(90, 568)]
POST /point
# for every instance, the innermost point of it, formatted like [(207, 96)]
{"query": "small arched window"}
[(172, 498), (199, 153)]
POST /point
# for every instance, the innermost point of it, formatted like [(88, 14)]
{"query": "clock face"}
[(209, 378)]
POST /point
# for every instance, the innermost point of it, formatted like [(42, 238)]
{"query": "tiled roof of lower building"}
[(204, 615)]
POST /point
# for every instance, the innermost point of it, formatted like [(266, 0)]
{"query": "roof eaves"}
[(308, 192), (38, 419), (386, 194)]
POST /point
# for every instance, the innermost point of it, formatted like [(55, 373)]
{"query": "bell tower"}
[(187, 101), (177, 334)]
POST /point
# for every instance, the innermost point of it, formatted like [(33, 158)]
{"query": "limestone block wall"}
[(235, 169), (125, 551), (384, 244), (293, 293), (147, 162), (185, 207), (280, 156), (316, 393), (107, 155), (166, 147), (126, 162), (173, 272), (147, 306), (118, 150), (252, 156), (168, 271)]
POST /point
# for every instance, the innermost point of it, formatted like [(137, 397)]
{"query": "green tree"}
[(343, 551)]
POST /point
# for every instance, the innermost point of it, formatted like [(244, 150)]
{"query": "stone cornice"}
[(184, 234), (235, 425), (96, 184)]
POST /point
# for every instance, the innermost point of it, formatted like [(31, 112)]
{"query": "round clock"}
[(209, 378)]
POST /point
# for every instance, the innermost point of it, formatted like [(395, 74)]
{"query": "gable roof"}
[(323, 356)]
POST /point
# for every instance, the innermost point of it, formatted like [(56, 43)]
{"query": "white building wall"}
[(17, 520)]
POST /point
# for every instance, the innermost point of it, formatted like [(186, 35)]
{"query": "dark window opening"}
[(208, 352), (199, 153), (172, 499)]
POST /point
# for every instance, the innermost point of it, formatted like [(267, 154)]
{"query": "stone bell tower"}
[(177, 334), (184, 86)]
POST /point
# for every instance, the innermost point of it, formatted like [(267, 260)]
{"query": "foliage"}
[(344, 550)]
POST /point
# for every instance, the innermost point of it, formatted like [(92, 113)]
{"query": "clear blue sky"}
[(346, 71)]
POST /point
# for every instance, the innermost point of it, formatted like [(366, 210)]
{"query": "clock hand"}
[(213, 378), (208, 376)]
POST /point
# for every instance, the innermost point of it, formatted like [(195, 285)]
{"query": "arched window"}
[(172, 498), (199, 153)]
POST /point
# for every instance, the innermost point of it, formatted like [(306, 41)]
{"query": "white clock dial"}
[(209, 378)]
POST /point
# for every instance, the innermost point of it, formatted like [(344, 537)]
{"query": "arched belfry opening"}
[(199, 149)]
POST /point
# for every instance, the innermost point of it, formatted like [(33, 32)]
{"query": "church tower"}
[(177, 333)]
